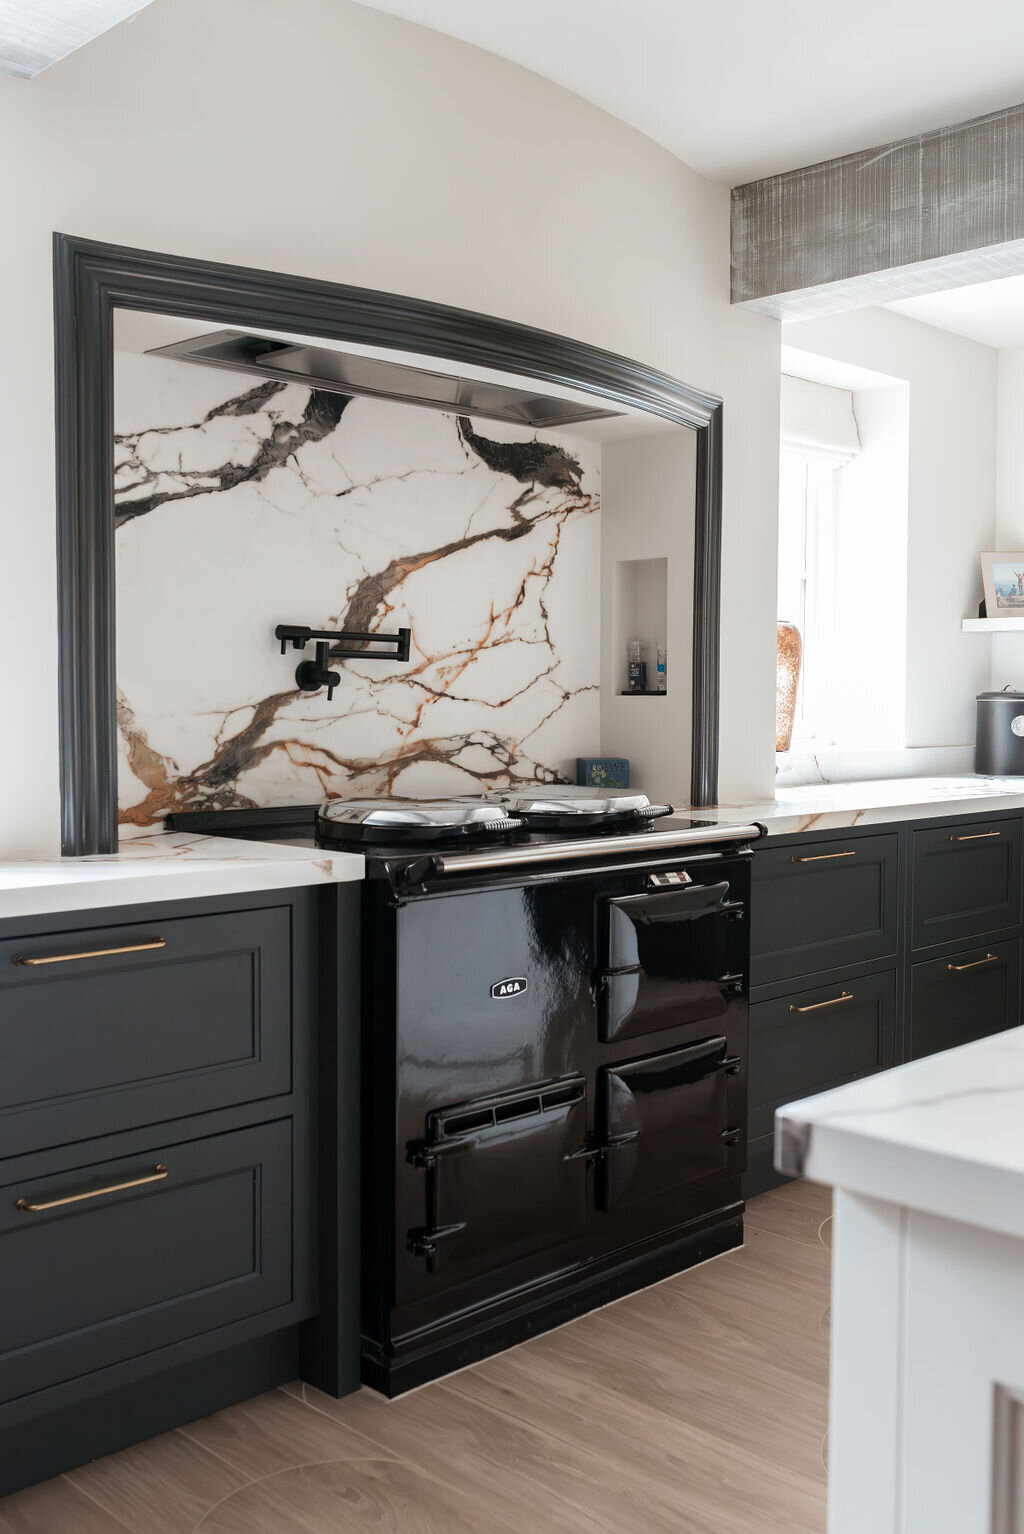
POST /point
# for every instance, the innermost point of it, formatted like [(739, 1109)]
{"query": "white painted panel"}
[(963, 1344), (865, 1405)]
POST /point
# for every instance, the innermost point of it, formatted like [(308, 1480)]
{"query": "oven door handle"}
[(618, 1142), (423, 1242), (663, 907), (424, 1153)]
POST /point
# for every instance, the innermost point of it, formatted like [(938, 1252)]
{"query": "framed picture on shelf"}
[(1002, 576)]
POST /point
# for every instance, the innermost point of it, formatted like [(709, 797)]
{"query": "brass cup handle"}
[(958, 969), (158, 1174), (825, 857), (975, 836), (816, 1006), (93, 953)]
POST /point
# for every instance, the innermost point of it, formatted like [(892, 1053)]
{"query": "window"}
[(842, 577), (808, 509)]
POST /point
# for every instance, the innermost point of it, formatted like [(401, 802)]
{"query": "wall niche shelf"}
[(640, 597), (992, 625)]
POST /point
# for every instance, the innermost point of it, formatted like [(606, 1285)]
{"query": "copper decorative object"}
[(787, 680)]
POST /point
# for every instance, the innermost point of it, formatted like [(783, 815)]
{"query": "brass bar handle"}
[(158, 1174), (958, 969), (816, 1006), (825, 857), (93, 953), (976, 836)]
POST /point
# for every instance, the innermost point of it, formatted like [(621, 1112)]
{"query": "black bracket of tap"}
[(346, 644)]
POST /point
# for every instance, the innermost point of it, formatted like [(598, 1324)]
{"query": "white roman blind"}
[(818, 419)]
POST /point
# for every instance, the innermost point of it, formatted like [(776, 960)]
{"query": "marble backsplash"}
[(243, 503)]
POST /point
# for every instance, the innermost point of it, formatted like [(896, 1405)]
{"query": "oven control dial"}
[(660, 881)]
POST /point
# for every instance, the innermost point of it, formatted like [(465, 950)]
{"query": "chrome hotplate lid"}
[(399, 820), (571, 812)]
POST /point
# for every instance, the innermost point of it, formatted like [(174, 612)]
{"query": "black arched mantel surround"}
[(91, 280)]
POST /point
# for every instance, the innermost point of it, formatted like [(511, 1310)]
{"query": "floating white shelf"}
[(993, 625)]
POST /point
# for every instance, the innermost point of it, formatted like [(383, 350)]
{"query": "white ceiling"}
[(740, 89), (990, 312), (36, 33)]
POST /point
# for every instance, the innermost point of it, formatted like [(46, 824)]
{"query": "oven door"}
[(669, 957), (666, 1123), (506, 1175)]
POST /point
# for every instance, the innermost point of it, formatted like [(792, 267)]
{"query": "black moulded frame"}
[(92, 279)]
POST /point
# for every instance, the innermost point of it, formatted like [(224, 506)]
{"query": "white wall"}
[(335, 142), (952, 398), (647, 505)]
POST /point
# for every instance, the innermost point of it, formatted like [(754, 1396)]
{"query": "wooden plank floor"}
[(696, 1407)]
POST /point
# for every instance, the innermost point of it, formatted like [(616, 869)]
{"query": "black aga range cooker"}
[(554, 1006), (554, 1038)]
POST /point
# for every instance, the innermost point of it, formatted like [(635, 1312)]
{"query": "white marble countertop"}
[(882, 801), (944, 1134), (167, 866)]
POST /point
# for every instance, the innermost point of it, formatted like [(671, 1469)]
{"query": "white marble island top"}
[(171, 865), (944, 1135), (881, 801)]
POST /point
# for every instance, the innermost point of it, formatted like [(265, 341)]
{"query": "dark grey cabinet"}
[(105, 1028), (964, 996), (967, 880), (823, 904), (807, 1041), (810, 1040), (112, 1260), (159, 1201), (874, 947)]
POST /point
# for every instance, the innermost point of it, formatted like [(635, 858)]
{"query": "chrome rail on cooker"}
[(571, 848)]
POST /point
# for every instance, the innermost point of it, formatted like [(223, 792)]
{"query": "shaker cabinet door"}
[(103, 1262), (108, 1028), (822, 905), (964, 996), (966, 880), (810, 1040)]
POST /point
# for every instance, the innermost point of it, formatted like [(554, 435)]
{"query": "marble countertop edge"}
[(875, 801), (166, 866), (941, 1135)]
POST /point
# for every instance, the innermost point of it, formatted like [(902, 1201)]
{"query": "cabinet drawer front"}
[(104, 1262), (967, 880), (115, 1027), (822, 905), (964, 996), (811, 1040)]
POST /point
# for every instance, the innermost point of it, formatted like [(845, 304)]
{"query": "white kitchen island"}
[(927, 1389)]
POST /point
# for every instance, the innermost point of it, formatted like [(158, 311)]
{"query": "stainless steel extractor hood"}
[(345, 373)]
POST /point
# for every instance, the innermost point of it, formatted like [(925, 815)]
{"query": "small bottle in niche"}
[(661, 670), (637, 667)]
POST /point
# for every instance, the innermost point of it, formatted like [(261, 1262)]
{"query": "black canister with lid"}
[(1000, 740)]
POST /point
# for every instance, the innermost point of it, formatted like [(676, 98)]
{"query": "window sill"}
[(834, 764)]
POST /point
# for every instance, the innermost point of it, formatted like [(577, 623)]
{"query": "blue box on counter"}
[(602, 771)]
